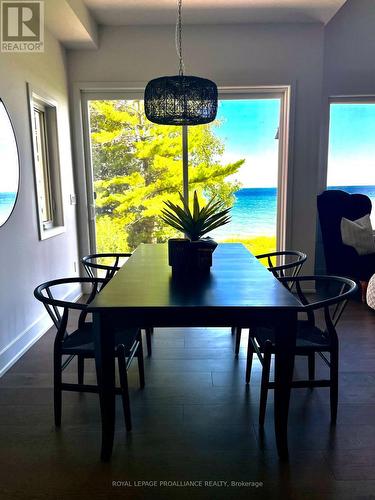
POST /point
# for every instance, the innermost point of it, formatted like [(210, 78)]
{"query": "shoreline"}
[(256, 245)]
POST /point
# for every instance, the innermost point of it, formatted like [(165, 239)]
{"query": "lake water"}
[(6, 205), (254, 212)]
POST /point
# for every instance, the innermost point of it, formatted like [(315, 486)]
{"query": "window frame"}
[(51, 191), (82, 92)]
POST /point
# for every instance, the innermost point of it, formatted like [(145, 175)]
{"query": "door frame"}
[(83, 92)]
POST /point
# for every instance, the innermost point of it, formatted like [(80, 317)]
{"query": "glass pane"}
[(9, 166), (136, 166), (41, 167), (246, 148), (351, 154)]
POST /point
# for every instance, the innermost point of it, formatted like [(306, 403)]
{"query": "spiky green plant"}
[(200, 221)]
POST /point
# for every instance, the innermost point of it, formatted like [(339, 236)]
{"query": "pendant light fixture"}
[(180, 99)]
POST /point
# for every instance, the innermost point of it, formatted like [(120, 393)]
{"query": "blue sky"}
[(248, 129), (249, 126), (351, 157)]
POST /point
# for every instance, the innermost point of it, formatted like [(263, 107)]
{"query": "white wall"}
[(24, 260), (349, 62), (240, 55)]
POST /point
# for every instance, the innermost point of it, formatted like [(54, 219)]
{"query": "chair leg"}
[(57, 393), (334, 372), (141, 366), (148, 341), (124, 386), (311, 365), (81, 369), (249, 361), (238, 340), (363, 286), (264, 383)]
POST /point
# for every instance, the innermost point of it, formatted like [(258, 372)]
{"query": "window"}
[(352, 147), (43, 114)]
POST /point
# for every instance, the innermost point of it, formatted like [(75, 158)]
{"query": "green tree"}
[(137, 165)]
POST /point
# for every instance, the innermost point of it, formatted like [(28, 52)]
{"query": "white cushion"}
[(370, 297), (358, 234)]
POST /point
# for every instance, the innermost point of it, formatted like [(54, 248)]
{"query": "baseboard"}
[(23, 341)]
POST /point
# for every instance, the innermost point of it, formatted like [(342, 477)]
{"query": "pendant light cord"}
[(178, 38)]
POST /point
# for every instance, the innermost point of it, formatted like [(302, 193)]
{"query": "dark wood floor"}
[(195, 421)]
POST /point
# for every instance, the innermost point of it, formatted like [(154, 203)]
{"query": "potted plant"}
[(193, 253)]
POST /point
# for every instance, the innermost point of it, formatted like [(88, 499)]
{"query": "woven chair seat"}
[(81, 341), (308, 338)]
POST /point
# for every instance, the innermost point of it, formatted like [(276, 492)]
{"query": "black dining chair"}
[(280, 263), (291, 263), (78, 341), (108, 264), (315, 335)]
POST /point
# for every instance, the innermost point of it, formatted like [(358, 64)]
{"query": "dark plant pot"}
[(190, 257)]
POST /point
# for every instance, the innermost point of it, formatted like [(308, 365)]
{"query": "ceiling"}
[(75, 22), (148, 12)]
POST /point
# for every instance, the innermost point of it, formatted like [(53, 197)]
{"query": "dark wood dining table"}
[(238, 291)]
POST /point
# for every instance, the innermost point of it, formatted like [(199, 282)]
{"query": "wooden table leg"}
[(284, 364), (105, 371)]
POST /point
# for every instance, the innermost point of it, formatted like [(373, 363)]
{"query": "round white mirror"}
[(9, 166)]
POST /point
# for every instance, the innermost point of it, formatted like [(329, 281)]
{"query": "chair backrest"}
[(52, 293), (332, 206), (331, 295), (109, 263), (293, 261)]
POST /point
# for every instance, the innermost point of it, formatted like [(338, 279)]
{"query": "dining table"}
[(237, 291)]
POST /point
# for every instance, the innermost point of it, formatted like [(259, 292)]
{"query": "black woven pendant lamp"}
[(180, 99)]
